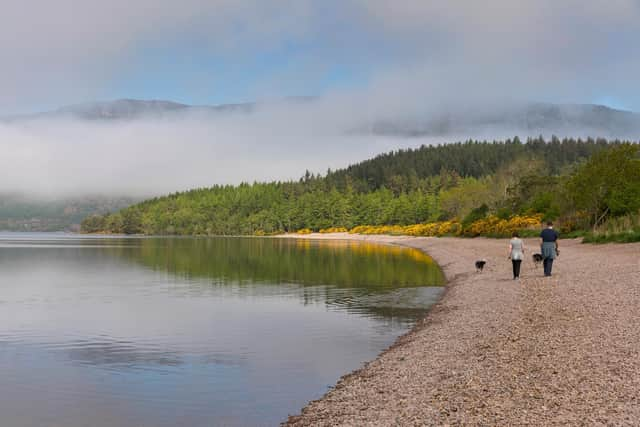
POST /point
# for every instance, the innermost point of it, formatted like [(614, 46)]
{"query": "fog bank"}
[(52, 155)]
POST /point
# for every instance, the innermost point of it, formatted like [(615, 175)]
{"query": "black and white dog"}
[(537, 259), (480, 265)]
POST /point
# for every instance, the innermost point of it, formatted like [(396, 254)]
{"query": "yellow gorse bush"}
[(429, 229), (492, 225), (378, 229), (333, 230)]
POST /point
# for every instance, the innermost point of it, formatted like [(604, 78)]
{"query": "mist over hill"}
[(461, 182), (530, 119), (130, 149)]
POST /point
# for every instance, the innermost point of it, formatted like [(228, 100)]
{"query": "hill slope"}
[(21, 213), (464, 181)]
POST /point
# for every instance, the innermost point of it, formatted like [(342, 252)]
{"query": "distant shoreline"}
[(559, 350)]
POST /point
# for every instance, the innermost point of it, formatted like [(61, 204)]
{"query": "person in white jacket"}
[(516, 254)]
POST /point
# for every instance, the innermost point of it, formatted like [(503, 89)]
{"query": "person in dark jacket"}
[(549, 247)]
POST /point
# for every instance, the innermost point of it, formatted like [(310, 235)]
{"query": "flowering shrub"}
[(429, 229), (333, 230), (378, 229), (304, 231), (490, 226)]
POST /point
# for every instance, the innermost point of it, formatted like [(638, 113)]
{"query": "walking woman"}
[(516, 253), (549, 247)]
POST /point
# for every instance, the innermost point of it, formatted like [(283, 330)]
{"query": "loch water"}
[(144, 331)]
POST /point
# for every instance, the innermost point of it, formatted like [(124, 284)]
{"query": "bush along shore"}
[(590, 187), (489, 226), (618, 230)]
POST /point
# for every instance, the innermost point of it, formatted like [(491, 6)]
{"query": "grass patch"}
[(530, 233), (624, 237), (625, 229), (574, 234)]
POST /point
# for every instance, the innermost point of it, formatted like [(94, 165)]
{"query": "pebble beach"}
[(560, 350)]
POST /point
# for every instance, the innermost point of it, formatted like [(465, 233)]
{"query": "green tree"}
[(608, 184)]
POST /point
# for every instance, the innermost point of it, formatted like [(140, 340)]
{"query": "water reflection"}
[(304, 262), (153, 332)]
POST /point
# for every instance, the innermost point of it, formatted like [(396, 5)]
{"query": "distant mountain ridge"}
[(533, 118), (23, 213), (130, 109), (122, 109)]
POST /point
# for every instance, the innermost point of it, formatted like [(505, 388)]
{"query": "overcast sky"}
[(397, 58), (218, 51)]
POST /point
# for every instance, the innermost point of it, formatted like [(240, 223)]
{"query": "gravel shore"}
[(563, 350)]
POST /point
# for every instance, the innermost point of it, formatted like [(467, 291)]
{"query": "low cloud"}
[(66, 156), (54, 155), (406, 61)]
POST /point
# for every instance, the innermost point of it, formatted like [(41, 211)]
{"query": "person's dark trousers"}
[(548, 263), (516, 267)]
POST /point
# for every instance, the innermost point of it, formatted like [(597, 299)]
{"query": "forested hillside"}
[(469, 159), (23, 213), (582, 183)]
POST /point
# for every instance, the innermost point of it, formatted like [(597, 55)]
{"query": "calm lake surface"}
[(112, 331)]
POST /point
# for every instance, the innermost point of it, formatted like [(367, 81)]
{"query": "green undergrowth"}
[(624, 229), (624, 237)]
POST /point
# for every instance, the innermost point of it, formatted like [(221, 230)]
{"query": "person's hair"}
[(515, 234), (549, 223)]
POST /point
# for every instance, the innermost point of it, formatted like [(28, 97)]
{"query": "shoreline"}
[(493, 351)]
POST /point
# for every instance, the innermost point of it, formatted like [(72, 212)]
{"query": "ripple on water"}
[(165, 332)]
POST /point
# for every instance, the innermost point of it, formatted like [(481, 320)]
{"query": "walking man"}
[(549, 248)]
